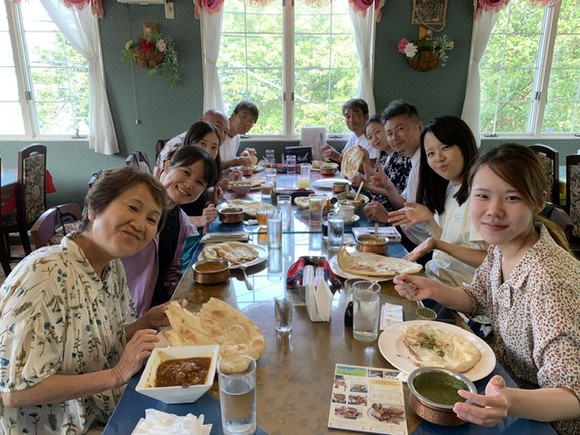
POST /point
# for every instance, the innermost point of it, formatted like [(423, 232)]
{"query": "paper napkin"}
[(158, 422), (318, 302), (391, 314)]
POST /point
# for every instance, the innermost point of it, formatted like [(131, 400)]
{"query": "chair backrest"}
[(573, 191), (31, 180), (55, 223), (159, 146), (550, 159)]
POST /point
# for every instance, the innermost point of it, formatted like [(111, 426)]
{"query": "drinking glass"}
[(270, 157), (291, 165), (315, 209), (262, 217), (283, 314), (237, 381), (285, 209), (271, 177), (304, 178), (274, 231), (335, 231), (367, 308)]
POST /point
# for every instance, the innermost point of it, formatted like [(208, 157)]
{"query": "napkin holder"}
[(318, 301)]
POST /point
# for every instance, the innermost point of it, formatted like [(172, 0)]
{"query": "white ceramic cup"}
[(348, 211)]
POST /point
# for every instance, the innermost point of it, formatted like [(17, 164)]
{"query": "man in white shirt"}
[(356, 114), (243, 118), (403, 127)]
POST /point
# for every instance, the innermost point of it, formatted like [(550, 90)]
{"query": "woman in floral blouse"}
[(395, 165), (69, 338), (528, 286)]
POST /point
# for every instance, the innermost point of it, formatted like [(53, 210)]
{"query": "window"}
[(45, 80), (298, 62), (530, 72)]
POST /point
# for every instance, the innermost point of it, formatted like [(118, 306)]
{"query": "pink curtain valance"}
[(96, 5), (361, 6), (495, 6)]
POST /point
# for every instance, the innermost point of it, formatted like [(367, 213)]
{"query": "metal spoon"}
[(422, 311), (358, 191), (249, 285)]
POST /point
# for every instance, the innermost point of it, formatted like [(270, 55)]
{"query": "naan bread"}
[(375, 265), (430, 346), (234, 252), (351, 161), (253, 158), (216, 323), (250, 207)]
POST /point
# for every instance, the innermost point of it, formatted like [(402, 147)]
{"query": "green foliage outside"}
[(61, 90), (508, 71), (326, 67)]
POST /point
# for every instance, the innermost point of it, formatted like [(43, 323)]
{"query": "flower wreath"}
[(436, 49)]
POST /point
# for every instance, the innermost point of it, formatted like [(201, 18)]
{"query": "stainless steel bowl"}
[(211, 271), (231, 215), (371, 243), (432, 394)]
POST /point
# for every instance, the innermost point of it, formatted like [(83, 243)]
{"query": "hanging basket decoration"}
[(155, 53), (425, 60), (426, 54)]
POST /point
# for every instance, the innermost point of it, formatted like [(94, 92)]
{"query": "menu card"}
[(367, 399)]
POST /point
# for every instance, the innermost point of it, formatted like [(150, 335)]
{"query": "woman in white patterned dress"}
[(69, 338)]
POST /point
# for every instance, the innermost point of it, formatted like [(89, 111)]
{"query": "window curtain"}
[(482, 28), (211, 31), (364, 17), (81, 29)]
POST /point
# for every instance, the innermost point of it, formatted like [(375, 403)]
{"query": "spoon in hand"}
[(422, 311)]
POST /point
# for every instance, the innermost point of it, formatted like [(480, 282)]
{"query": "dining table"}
[(296, 370)]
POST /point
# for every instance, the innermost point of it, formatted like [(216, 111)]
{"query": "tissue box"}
[(318, 302)]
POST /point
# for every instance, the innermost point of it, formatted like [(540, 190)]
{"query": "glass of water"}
[(315, 205), (285, 208), (274, 225), (335, 231), (367, 309), (270, 157), (237, 381), (291, 165)]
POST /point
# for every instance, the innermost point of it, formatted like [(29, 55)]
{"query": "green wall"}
[(146, 109)]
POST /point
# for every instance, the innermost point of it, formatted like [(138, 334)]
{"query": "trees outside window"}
[(530, 72), (45, 79), (296, 60)]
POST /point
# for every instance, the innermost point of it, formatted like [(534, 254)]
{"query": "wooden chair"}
[(55, 223), (31, 195), (551, 161), (4, 252), (573, 194)]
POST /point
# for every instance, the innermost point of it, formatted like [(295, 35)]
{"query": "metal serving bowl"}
[(328, 168), (348, 198), (433, 394), (372, 243), (231, 215), (211, 271)]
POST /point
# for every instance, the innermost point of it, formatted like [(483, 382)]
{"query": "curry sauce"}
[(179, 372)]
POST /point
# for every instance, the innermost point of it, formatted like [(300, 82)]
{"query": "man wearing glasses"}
[(243, 118)]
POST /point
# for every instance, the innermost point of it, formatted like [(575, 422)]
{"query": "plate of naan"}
[(366, 265), (237, 253), (423, 343), (250, 207)]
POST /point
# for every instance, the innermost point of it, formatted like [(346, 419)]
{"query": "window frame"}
[(30, 120), (537, 109)]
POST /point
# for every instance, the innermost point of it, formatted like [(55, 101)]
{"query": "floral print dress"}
[(57, 316), (397, 167), (534, 314)]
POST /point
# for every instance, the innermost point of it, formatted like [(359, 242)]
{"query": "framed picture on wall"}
[(429, 12)]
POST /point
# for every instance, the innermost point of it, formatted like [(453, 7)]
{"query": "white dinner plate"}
[(326, 183), (262, 255), (338, 271), (394, 350)]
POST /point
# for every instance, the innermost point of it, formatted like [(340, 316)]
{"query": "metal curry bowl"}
[(211, 271), (231, 215), (433, 393), (372, 243)]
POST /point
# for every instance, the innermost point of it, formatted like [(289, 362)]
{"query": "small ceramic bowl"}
[(211, 271), (231, 215), (433, 392), (240, 188), (371, 243), (328, 168), (348, 198)]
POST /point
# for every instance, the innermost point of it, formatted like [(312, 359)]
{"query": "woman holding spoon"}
[(528, 286)]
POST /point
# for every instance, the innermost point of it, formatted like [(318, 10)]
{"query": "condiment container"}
[(372, 243), (328, 168), (211, 271), (433, 393)]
